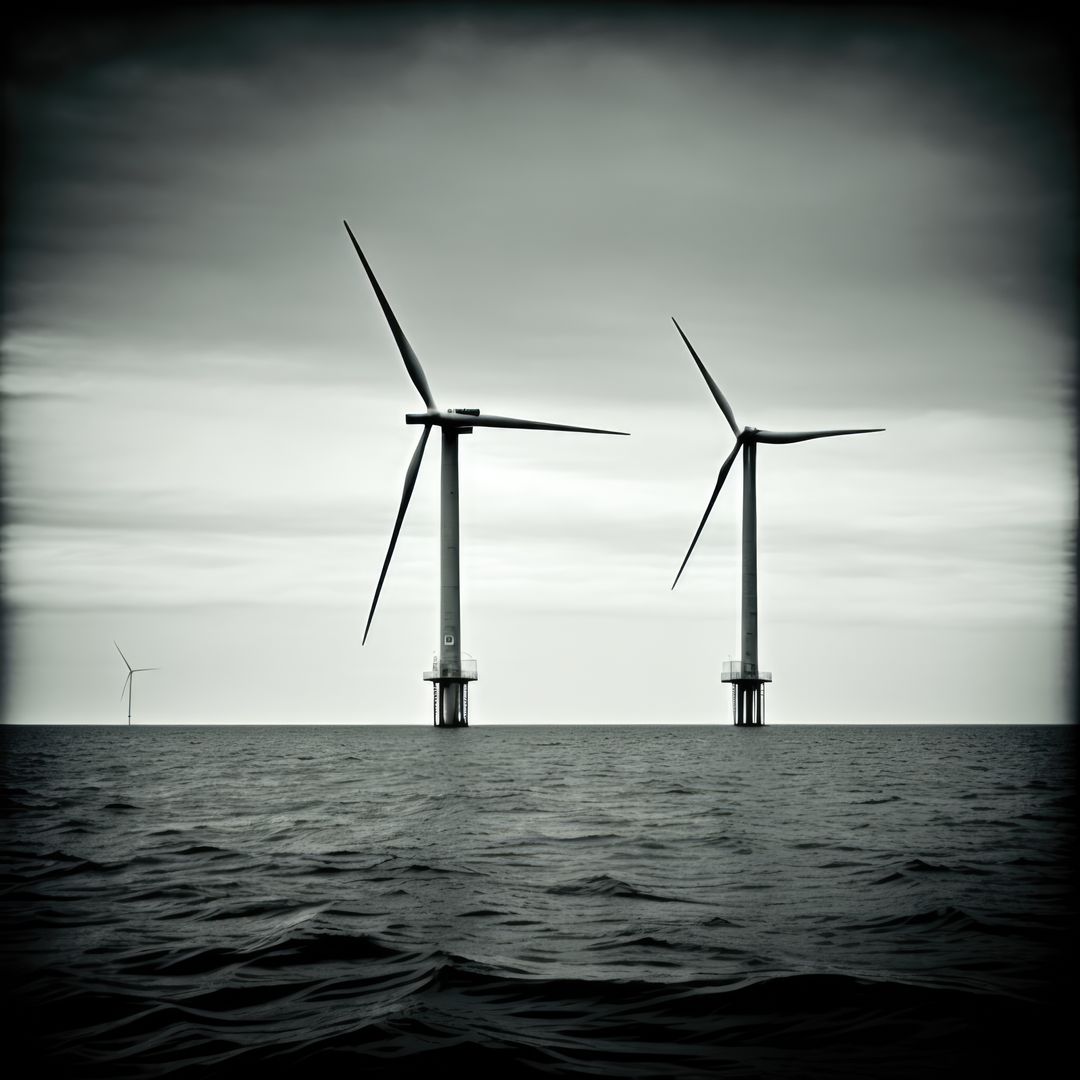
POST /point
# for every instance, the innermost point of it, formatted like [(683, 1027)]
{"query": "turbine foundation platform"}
[(747, 692), (450, 686)]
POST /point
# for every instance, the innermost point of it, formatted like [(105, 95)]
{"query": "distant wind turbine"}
[(747, 680), (129, 682), (450, 675)]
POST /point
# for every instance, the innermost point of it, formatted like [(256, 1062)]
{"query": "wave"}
[(933, 922), (447, 1013), (284, 952), (919, 867), (603, 885)]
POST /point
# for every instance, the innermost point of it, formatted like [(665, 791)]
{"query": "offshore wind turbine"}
[(129, 682), (450, 675), (748, 697)]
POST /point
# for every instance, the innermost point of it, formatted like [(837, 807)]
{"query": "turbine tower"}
[(450, 676), (129, 682), (748, 696)]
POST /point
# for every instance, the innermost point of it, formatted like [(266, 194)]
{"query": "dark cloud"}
[(108, 112)]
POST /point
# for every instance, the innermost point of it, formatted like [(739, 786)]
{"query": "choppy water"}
[(661, 901)]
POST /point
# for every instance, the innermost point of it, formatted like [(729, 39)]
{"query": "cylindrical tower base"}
[(748, 702), (451, 703)]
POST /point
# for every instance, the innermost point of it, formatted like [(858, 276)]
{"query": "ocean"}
[(872, 901)]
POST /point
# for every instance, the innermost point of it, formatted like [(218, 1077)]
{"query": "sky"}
[(861, 218)]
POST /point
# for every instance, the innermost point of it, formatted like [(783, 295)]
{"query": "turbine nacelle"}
[(443, 417)]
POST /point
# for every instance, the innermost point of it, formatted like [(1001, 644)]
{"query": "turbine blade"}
[(124, 687), (146, 669), (487, 420), (803, 436), (412, 364), (406, 494), (122, 656), (716, 391), (724, 470)]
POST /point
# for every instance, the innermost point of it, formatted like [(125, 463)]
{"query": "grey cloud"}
[(32, 397), (156, 174), (178, 513)]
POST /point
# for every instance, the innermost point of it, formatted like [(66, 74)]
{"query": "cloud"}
[(801, 207)]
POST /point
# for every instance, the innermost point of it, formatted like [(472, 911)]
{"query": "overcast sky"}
[(860, 219)]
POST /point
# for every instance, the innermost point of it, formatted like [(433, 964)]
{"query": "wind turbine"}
[(747, 679), (129, 682), (450, 675)]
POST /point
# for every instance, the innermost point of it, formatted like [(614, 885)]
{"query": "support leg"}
[(450, 711)]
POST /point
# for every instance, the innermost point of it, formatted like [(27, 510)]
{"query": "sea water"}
[(590, 901)]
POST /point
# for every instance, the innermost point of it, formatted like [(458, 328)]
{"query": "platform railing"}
[(737, 669), (462, 669)]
